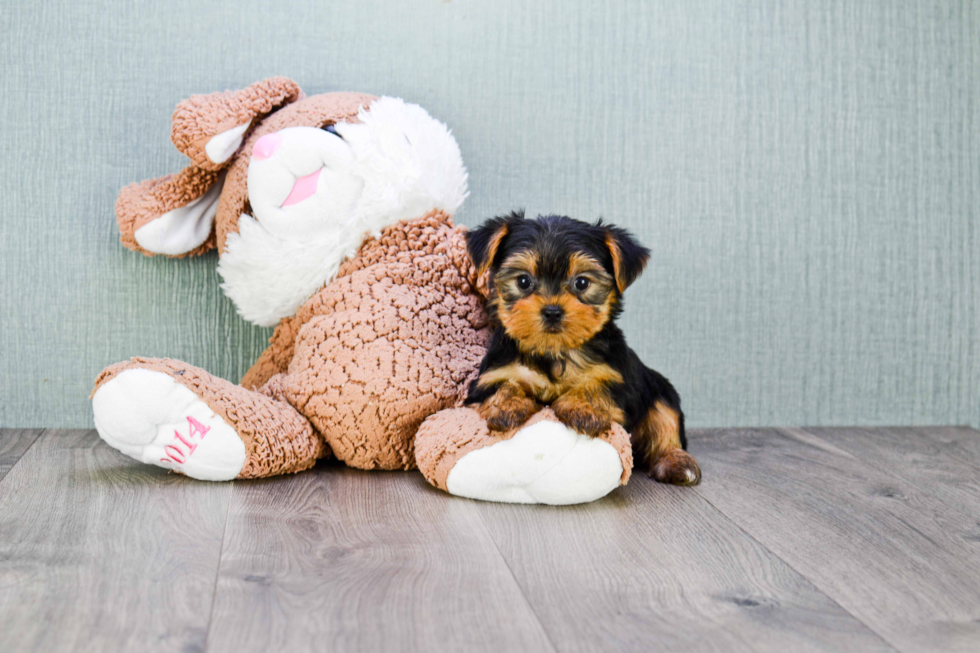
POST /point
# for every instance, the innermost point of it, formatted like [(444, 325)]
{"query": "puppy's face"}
[(555, 281), (552, 300)]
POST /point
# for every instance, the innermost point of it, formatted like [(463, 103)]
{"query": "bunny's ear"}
[(172, 215), (210, 128)]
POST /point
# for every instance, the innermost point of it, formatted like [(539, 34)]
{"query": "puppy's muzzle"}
[(552, 316)]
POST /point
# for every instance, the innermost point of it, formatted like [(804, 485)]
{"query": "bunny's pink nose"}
[(266, 146)]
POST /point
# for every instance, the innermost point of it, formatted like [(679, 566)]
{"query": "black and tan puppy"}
[(556, 287)]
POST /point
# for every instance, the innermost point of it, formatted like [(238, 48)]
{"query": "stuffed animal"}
[(331, 215)]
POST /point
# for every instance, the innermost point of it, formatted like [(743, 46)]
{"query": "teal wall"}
[(807, 175)]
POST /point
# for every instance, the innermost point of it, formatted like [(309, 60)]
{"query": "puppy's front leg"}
[(508, 407), (588, 409)]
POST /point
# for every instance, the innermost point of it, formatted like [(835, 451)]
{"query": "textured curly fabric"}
[(278, 440), (199, 118), (432, 235), (275, 359), (394, 339)]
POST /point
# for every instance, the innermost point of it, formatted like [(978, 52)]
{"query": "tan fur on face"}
[(579, 263), (506, 290), (520, 262), (585, 313), (523, 322)]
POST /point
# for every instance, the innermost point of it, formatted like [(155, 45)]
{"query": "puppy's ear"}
[(482, 243), (628, 256)]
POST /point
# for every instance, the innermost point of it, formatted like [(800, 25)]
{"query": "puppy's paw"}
[(676, 467), (504, 413), (580, 416)]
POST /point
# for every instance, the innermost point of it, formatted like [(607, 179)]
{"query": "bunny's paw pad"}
[(545, 462), (151, 417)]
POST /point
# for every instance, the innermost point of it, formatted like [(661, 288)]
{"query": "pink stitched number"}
[(190, 447), (197, 428), (174, 454)]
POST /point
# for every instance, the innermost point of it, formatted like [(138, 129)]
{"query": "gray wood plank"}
[(656, 568), (887, 552), (941, 461), (13, 444), (343, 560), (101, 553)]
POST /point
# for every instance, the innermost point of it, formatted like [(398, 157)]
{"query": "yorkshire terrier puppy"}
[(556, 288)]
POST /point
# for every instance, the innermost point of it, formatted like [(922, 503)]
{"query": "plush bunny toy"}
[(331, 216)]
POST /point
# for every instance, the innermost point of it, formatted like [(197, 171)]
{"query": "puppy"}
[(555, 290)]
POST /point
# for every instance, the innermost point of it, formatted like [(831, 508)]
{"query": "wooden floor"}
[(797, 540)]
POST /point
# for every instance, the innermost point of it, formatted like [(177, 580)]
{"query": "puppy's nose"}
[(552, 314)]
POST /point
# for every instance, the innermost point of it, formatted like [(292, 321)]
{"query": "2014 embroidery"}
[(175, 453)]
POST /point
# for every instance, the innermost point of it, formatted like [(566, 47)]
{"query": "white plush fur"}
[(542, 463), (220, 148), (142, 412), (301, 152), (402, 162), (269, 278)]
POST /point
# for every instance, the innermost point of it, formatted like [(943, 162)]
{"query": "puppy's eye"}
[(582, 284), (524, 282)]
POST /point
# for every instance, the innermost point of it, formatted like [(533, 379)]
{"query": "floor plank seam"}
[(520, 587), (857, 457), (217, 571), (24, 453), (878, 467), (799, 573), (923, 490)]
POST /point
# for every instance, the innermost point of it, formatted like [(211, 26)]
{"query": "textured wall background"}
[(806, 173)]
